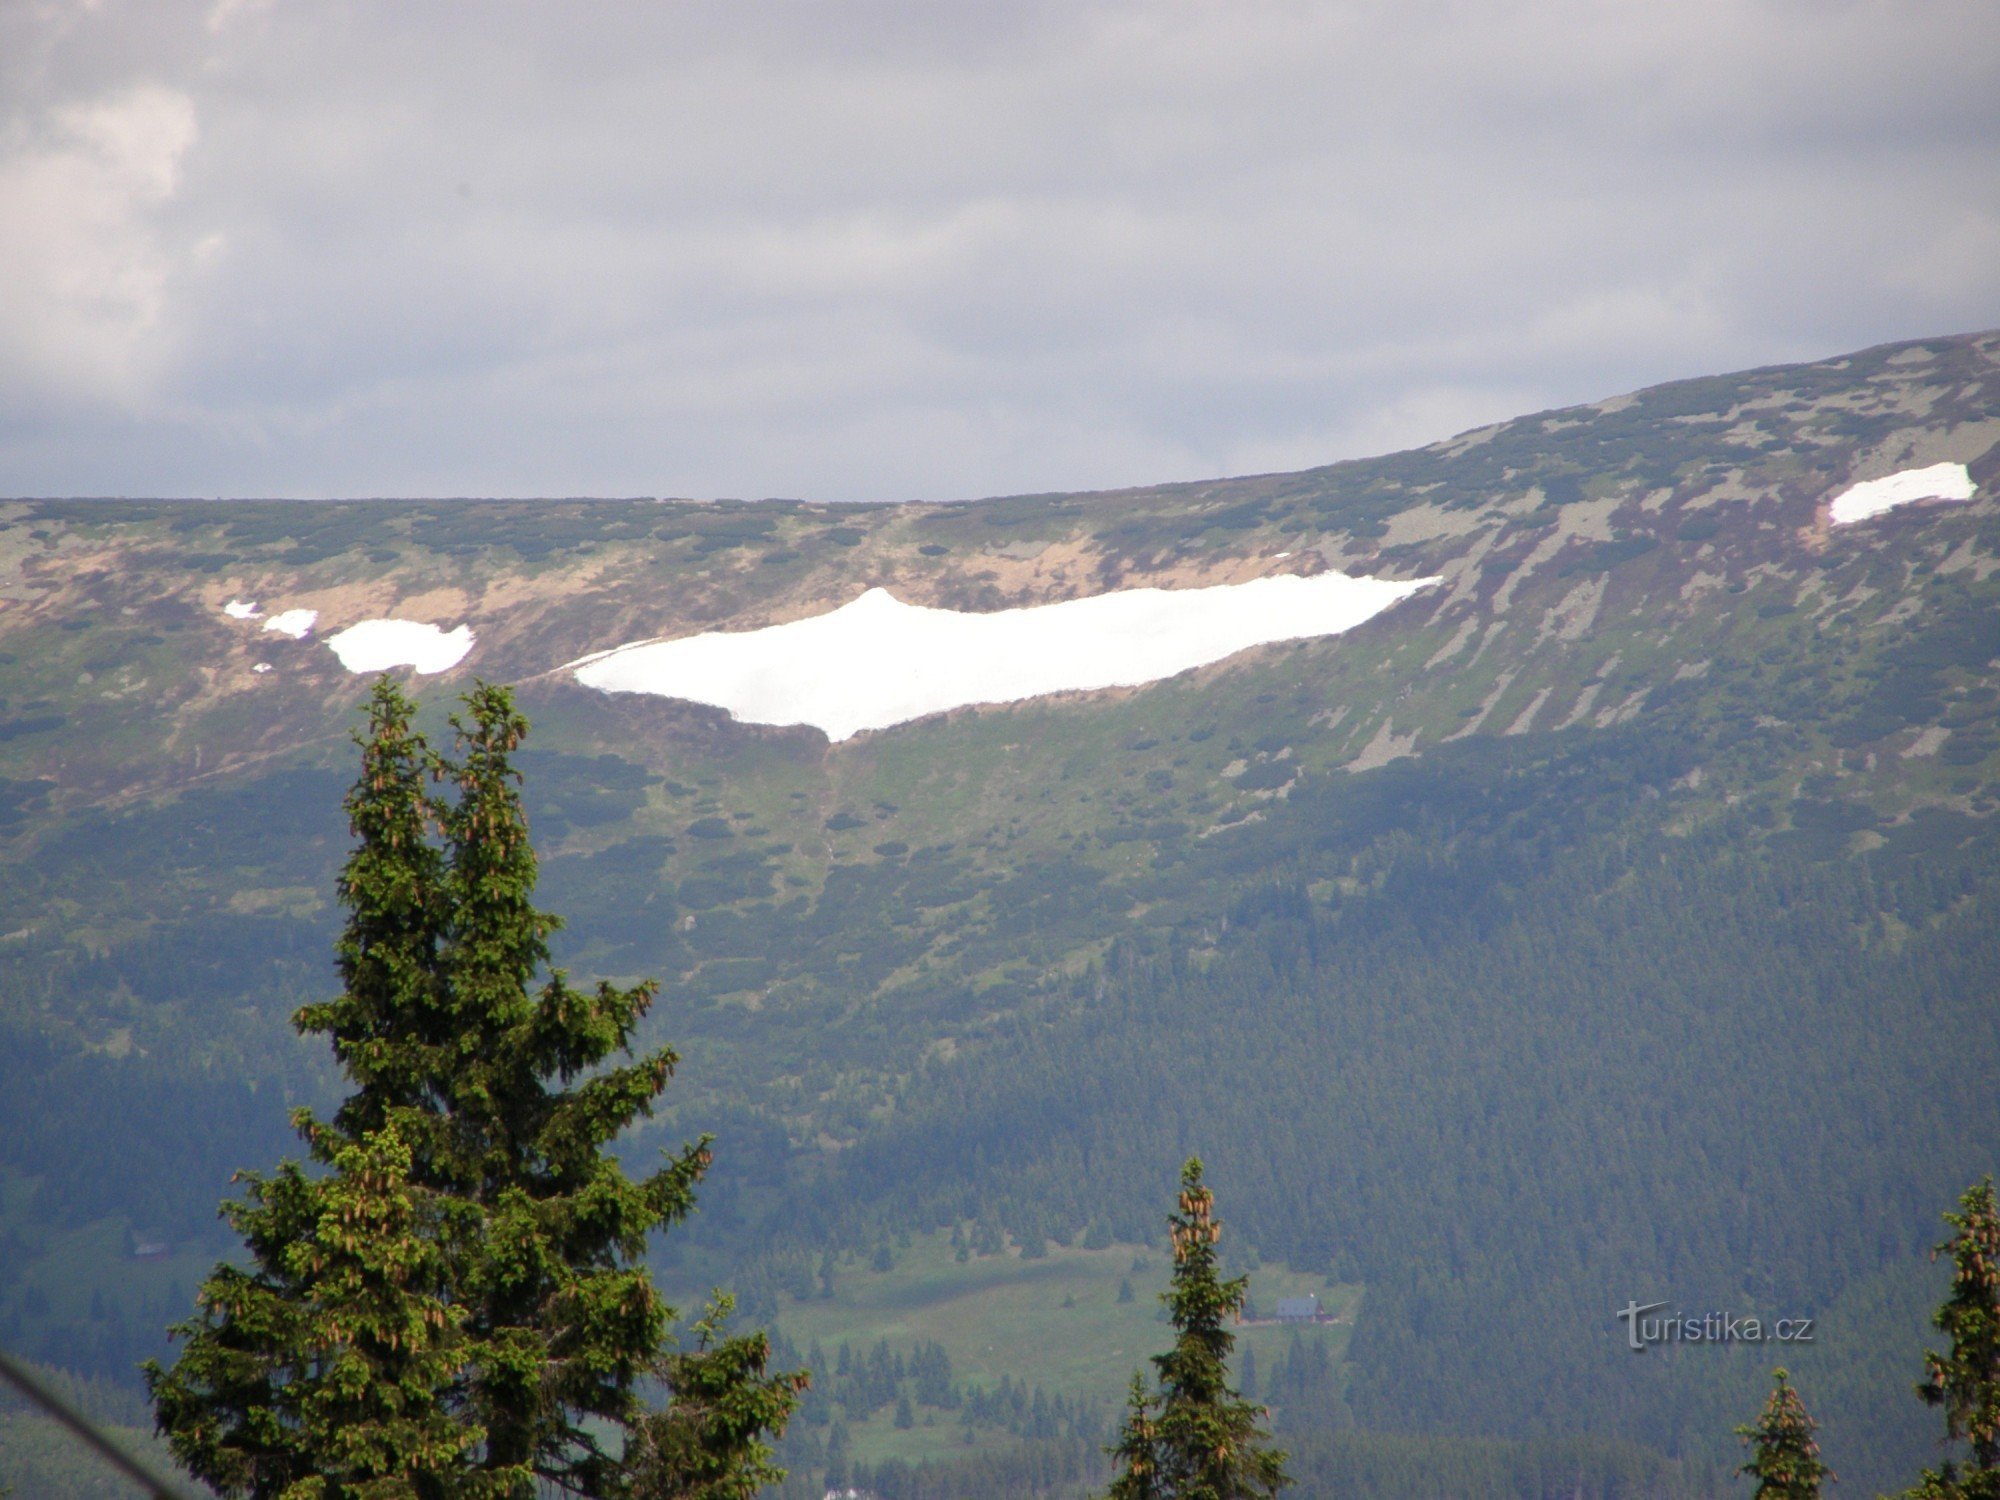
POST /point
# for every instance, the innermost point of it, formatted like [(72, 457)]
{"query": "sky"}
[(888, 251)]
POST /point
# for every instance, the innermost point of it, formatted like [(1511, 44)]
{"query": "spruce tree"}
[(1784, 1458), (387, 1026), (1965, 1381), (708, 1442), (1134, 1454), (325, 1370), (1195, 1437), (560, 1317), (331, 1364), (486, 1091)]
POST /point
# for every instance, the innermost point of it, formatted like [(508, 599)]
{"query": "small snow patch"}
[(878, 661), (262, 666), (1947, 481), (377, 645), (241, 609), (1927, 743), (296, 623)]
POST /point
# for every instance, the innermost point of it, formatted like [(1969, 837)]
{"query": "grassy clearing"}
[(938, 1437), (1055, 1321)]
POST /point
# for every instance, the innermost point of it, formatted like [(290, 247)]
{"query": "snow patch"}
[(377, 645), (296, 623), (241, 609), (262, 666), (878, 661), (1871, 497)]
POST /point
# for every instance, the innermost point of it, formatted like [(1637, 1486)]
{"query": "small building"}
[(1299, 1309)]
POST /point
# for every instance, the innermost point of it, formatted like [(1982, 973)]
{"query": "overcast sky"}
[(858, 251)]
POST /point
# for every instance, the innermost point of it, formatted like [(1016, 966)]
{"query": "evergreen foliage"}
[(1195, 1437), (1135, 1451), (455, 1305), (1784, 1458), (325, 1371), (708, 1443), (1965, 1381)]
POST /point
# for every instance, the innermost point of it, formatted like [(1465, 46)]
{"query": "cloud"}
[(892, 249), (80, 251)]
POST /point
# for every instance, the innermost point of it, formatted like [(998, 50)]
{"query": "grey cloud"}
[(887, 250)]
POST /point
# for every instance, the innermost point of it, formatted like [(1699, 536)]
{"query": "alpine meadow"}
[(1432, 975)]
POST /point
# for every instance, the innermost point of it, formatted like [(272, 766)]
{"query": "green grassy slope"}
[(1071, 1322), (1055, 1321)]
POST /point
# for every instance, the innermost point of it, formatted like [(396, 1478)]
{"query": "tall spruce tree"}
[(1195, 1437), (560, 1318), (1784, 1457), (485, 1091), (1965, 1380)]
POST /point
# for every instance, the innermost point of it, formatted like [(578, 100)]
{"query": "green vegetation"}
[(1053, 1321), (1965, 1380), (453, 1302), (42, 1460), (1784, 1459), (1194, 1437)]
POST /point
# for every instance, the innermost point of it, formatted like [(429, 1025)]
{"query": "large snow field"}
[(878, 661), (1871, 497), (377, 645)]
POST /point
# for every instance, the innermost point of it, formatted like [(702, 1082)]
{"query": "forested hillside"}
[(1618, 918), (1513, 1088)]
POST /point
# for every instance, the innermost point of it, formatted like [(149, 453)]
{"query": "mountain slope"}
[(1609, 921)]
